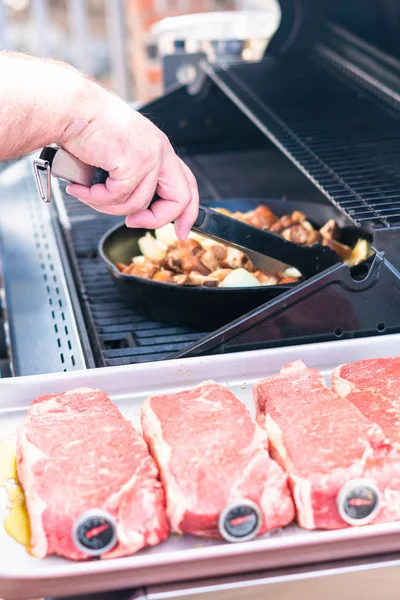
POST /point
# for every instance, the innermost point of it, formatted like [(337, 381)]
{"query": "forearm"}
[(44, 102), (40, 102)]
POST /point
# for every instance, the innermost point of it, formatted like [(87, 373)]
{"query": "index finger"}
[(174, 192)]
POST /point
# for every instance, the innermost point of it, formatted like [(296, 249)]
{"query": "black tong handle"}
[(309, 260)]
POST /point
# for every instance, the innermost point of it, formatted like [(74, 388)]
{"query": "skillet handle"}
[(308, 260), (62, 164)]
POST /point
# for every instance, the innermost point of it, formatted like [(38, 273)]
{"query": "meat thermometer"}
[(95, 532)]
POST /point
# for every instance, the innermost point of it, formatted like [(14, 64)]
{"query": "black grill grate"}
[(342, 135)]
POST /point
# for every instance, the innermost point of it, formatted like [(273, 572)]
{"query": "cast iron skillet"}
[(203, 308)]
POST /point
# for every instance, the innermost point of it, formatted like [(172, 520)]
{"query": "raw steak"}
[(324, 441), (76, 452), (373, 386), (210, 452)]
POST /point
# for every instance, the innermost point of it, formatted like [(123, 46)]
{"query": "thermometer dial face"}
[(95, 532), (240, 521), (358, 502)]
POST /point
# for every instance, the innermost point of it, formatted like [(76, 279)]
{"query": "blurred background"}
[(122, 43)]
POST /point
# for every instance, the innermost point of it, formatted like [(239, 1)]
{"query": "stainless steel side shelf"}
[(42, 326)]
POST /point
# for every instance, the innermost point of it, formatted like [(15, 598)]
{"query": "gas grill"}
[(318, 120)]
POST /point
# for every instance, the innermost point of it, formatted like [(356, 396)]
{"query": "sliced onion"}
[(292, 272), (166, 235), (240, 278), (149, 248)]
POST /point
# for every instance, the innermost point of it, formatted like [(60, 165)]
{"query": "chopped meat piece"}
[(190, 244), (186, 257), (121, 267), (144, 268), (195, 278), (276, 227), (210, 452), (213, 258), (373, 386), (239, 216), (163, 275), (324, 441), (314, 237), (76, 452), (298, 217), (235, 259), (344, 252), (288, 280), (307, 226), (296, 234), (286, 221), (261, 217), (330, 230), (224, 211), (266, 278)]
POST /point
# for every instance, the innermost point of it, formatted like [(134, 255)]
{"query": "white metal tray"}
[(183, 558)]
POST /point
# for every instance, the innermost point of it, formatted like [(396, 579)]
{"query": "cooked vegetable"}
[(239, 278), (292, 272), (150, 248), (166, 235), (200, 261), (361, 251)]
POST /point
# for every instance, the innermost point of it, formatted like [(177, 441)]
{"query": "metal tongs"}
[(269, 252)]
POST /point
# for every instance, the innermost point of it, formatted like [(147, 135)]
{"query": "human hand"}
[(140, 161)]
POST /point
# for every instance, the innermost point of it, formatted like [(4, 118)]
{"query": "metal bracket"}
[(184, 69), (42, 167)]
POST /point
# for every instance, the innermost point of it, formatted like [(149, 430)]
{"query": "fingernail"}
[(129, 222)]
